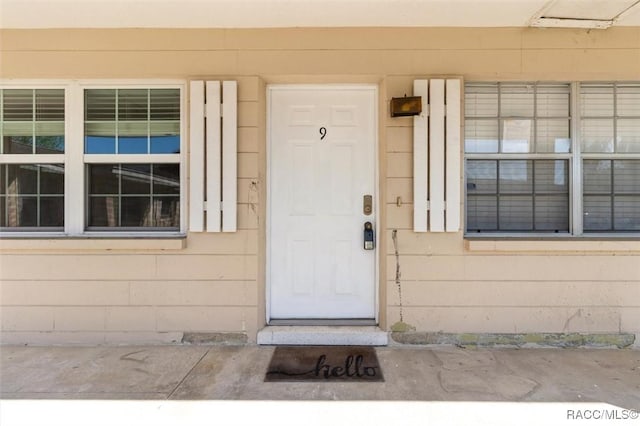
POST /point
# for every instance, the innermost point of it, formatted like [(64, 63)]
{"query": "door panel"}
[(322, 163)]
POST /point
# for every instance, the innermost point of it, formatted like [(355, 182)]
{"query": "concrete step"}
[(323, 335)]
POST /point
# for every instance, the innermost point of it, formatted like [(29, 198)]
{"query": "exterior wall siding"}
[(120, 291)]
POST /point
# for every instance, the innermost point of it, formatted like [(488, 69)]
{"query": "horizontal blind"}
[(100, 104), (32, 121), (151, 117), (611, 195), (164, 105), (517, 195), (133, 104), (17, 105)]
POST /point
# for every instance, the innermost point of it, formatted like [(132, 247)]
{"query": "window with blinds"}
[(32, 121), (517, 195), (133, 183), (132, 121), (32, 170), (518, 148), (610, 143), (91, 158), (535, 166)]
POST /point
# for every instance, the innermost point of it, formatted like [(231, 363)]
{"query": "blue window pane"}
[(132, 145), (100, 145), (165, 144)]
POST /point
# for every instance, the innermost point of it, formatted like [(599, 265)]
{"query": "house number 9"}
[(323, 132)]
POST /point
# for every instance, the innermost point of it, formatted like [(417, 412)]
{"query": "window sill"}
[(104, 243), (553, 245)]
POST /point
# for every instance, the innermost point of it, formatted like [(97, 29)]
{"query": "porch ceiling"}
[(316, 13)]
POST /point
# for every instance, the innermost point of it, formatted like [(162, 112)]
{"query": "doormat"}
[(324, 364)]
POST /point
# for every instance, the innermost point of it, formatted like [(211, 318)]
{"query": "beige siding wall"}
[(123, 291)]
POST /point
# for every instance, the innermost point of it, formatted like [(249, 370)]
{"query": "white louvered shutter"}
[(436, 149), (213, 156)]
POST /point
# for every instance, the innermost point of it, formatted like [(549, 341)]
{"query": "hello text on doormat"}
[(324, 364)]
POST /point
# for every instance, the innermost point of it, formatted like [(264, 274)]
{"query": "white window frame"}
[(39, 158), (575, 159), (75, 160)]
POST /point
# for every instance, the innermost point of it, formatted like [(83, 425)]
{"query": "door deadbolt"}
[(367, 205)]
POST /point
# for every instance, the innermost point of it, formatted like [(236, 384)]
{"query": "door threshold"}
[(312, 322), (330, 335)]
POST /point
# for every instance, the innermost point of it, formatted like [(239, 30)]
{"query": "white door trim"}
[(377, 204)]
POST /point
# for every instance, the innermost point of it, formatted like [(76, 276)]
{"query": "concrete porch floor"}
[(237, 373)]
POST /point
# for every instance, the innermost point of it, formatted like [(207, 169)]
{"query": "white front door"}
[(322, 145)]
